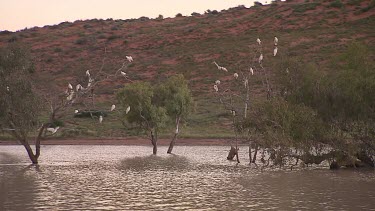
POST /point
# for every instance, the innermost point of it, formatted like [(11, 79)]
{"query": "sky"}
[(19, 14)]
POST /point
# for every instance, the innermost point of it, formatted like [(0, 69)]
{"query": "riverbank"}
[(128, 141)]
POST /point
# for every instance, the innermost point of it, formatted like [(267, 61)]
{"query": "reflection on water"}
[(129, 178)]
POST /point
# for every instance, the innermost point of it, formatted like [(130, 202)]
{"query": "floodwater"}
[(195, 178)]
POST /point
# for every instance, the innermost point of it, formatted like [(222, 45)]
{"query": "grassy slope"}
[(189, 45)]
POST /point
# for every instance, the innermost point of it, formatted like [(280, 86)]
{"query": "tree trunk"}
[(255, 153), (238, 159), (32, 157), (232, 153), (247, 101), (171, 145), (37, 141), (154, 143), (250, 151)]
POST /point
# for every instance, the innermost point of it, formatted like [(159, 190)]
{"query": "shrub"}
[(113, 37), (14, 38), (301, 8), (336, 4), (178, 15), (81, 41), (160, 17), (57, 50)]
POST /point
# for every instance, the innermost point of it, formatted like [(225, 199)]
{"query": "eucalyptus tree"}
[(146, 114), (175, 96), (24, 102), (20, 104)]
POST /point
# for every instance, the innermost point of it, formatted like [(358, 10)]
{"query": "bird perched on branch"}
[(113, 107), (276, 41), (216, 88), (127, 110), (217, 82), (100, 119), (129, 58), (260, 58), (88, 73), (259, 42), (52, 130), (251, 71), (220, 67), (235, 75), (78, 87), (275, 51)]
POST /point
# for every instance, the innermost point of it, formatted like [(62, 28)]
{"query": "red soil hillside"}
[(314, 29)]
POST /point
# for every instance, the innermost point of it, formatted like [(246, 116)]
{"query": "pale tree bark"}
[(173, 142), (250, 152)]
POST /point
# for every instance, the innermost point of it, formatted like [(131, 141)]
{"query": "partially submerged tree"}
[(322, 117), (235, 94), (23, 103), (176, 97), (152, 106), (20, 105), (145, 113)]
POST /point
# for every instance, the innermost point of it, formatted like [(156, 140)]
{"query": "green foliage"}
[(343, 98), (280, 123), (19, 104), (175, 96), (145, 113)]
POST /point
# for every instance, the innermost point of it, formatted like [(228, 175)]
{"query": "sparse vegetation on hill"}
[(314, 32)]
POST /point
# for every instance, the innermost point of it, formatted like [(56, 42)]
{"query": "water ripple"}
[(196, 178)]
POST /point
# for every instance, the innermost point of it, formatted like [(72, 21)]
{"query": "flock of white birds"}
[(251, 70), (70, 94), (70, 91)]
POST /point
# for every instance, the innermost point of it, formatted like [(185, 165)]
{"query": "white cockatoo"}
[(216, 88), (129, 58), (52, 130), (260, 58)]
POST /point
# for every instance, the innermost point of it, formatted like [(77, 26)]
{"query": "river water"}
[(195, 178)]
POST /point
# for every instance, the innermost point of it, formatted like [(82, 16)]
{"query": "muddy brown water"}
[(194, 178)]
